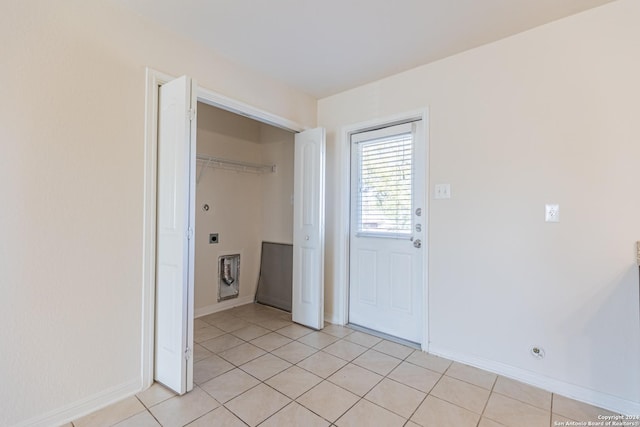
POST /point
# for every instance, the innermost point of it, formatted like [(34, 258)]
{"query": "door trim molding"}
[(341, 255), (155, 79)]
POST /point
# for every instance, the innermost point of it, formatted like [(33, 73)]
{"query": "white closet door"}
[(175, 219), (308, 229)]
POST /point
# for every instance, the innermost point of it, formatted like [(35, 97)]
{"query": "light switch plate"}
[(442, 191), (552, 213)]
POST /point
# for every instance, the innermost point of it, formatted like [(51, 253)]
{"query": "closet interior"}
[(244, 197)]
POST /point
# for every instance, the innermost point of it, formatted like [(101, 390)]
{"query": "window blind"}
[(385, 174)]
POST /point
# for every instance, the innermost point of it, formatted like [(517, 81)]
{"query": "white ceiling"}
[(326, 46)]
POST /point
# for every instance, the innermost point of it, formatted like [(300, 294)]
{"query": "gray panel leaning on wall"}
[(276, 273)]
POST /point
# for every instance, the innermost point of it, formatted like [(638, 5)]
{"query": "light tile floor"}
[(253, 366)]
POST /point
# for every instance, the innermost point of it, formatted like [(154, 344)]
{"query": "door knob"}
[(417, 243)]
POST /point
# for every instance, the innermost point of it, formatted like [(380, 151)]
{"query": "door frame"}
[(155, 79), (341, 257)]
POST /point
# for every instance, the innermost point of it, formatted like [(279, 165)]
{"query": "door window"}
[(383, 174)]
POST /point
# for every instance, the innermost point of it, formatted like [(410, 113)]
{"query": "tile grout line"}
[(260, 382), (277, 412), (383, 376), (520, 400), (367, 348), (256, 314), (419, 405), (453, 403), (360, 398), (484, 408), (413, 412), (347, 362), (406, 385), (349, 408)]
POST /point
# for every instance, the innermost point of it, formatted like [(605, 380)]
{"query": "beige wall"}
[(235, 204), (245, 208), (71, 182), (547, 116)]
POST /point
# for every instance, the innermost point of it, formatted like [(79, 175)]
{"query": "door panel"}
[(174, 248), (387, 187), (308, 229), (307, 295), (309, 178), (400, 272), (367, 273)]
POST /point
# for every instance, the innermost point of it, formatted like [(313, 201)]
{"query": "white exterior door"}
[(308, 229), (174, 245), (387, 230)]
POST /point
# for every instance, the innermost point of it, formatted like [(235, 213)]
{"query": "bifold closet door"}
[(308, 229), (174, 238)]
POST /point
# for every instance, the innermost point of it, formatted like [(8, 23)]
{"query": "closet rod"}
[(234, 165)]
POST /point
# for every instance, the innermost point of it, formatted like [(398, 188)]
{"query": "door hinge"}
[(189, 233), (187, 353), (191, 114)]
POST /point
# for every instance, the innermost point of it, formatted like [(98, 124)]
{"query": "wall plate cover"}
[(552, 213), (442, 191)]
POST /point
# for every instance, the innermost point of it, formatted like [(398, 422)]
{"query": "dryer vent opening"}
[(228, 276)]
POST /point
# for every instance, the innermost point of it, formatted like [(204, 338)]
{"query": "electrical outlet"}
[(537, 352), (442, 191), (552, 213)]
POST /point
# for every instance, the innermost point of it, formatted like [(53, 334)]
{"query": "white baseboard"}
[(84, 406), (114, 394), (223, 305), (583, 394), (332, 318)]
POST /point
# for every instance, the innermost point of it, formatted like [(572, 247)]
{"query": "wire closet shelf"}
[(233, 165)]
